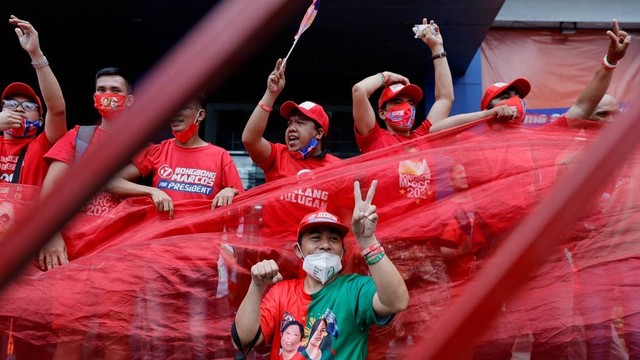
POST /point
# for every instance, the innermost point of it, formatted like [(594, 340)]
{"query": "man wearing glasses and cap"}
[(23, 144)]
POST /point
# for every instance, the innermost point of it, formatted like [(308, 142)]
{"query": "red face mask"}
[(28, 128), (401, 116), (517, 103), (109, 105), (186, 134)]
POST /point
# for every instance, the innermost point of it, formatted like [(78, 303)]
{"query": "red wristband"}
[(265, 107), (370, 248)]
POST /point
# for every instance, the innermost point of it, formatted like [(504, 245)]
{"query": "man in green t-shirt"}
[(336, 309)]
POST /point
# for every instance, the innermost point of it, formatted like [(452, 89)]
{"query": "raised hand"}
[(27, 35), (265, 272), (430, 35), (365, 217), (619, 44), (276, 80)]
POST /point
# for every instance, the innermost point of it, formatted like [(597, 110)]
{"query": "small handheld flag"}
[(307, 20)]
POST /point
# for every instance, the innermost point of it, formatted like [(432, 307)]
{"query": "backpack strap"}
[(16, 173), (85, 134), (236, 340)]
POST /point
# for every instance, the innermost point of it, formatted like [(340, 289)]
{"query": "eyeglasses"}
[(13, 104)]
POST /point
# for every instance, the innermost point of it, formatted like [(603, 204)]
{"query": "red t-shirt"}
[(281, 216), (189, 173), (378, 138), (99, 206), (34, 166)]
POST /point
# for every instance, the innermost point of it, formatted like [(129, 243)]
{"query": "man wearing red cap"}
[(303, 151), (397, 103), (23, 145), (348, 304)]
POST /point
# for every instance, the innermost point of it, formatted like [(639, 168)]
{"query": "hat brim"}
[(341, 228), (287, 108), (522, 86), (410, 91)]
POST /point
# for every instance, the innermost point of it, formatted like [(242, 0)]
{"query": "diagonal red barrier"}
[(212, 44), (527, 246)]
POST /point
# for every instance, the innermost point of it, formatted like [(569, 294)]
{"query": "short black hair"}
[(115, 71)]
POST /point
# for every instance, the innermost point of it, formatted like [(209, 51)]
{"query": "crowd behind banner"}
[(159, 270)]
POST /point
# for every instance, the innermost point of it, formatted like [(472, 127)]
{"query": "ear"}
[(130, 99), (382, 113), (319, 134), (297, 250), (201, 115)]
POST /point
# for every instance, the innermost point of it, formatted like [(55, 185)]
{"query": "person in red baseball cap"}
[(24, 144), (325, 293), (397, 103), (303, 152), (307, 127)]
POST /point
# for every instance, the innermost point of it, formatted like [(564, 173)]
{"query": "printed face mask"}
[(401, 116), (305, 151), (322, 266), (109, 105), (519, 104), (28, 128), (186, 134)]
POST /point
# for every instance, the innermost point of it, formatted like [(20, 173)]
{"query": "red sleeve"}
[(145, 159), (423, 129), (366, 142), (64, 149), (268, 163)]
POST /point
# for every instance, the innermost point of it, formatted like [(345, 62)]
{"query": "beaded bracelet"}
[(40, 64), (374, 260)]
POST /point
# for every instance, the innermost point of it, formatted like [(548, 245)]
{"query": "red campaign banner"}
[(559, 66), (145, 286)]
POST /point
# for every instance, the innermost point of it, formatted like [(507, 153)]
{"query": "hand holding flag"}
[(307, 20)]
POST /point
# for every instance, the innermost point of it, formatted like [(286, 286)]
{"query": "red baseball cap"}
[(322, 217), (399, 89), (309, 109), (521, 85), (18, 88)]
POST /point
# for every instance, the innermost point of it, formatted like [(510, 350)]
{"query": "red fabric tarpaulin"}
[(171, 286)]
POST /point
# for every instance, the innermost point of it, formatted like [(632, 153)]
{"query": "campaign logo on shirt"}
[(7, 167), (101, 203), (197, 181), (415, 179)]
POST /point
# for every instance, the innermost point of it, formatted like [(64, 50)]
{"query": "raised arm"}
[(589, 98), (247, 319), (500, 112), (430, 35), (392, 295), (55, 122), (257, 146), (364, 115)]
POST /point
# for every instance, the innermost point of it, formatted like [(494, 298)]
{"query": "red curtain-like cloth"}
[(558, 66), (168, 288)]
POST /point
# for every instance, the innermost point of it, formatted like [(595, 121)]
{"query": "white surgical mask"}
[(322, 266)]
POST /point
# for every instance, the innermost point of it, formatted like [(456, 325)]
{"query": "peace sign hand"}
[(365, 217)]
